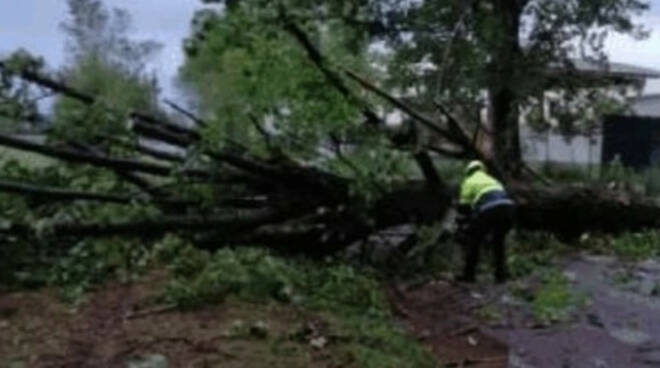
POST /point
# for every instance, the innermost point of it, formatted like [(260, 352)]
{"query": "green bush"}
[(182, 258), (569, 173), (450, 168), (22, 265), (636, 246), (91, 262), (651, 182), (631, 246), (256, 275), (554, 301), (646, 182), (250, 274), (74, 270), (354, 297), (529, 252)]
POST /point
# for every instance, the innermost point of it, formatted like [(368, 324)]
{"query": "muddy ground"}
[(118, 326)]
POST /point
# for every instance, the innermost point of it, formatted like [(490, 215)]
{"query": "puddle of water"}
[(630, 336)]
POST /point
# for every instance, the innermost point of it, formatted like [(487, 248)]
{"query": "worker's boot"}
[(466, 278), (501, 273), (469, 272), (501, 277)]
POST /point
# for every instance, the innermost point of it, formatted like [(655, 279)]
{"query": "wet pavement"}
[(619, 328)]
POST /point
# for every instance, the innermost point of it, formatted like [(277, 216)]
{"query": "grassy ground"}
[(38, 330), (108, 304), (235, 308)]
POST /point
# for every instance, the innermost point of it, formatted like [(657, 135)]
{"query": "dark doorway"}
[(635, 140)]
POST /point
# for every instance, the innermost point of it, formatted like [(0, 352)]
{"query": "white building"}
[(620, 81), (648, 106)]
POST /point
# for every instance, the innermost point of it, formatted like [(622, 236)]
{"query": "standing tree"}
[(19, 101), (103, 61), (462, 54), (503, 48)]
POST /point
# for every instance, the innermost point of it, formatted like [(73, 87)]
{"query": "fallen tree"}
[(570, 211), (276, 201)]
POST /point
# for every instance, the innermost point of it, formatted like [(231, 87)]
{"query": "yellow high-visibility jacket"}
[(475, 186)]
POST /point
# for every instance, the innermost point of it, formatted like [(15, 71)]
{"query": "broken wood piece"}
[(149, 312), (464, 330)]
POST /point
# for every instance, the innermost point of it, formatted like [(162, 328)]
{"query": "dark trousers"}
[(493, 224)]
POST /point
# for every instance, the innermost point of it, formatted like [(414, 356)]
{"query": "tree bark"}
[(569, 212), (194, 118), (100, 161), (503, 99), (153, 228), (58, 194), (149, 125), (144, 150)]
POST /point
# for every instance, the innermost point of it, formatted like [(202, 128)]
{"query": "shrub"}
[(256, 275), (250, 274), (532, 251), (636, 246), (91, 262), (554, 301), (354, 297)]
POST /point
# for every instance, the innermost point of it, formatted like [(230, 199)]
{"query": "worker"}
[(487, 213)]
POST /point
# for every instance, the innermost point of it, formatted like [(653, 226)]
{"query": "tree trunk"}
[(503, 99)]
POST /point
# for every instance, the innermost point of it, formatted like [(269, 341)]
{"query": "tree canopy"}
[(462, 54), (103, 61)]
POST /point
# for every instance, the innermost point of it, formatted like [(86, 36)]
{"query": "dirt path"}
[(441, 316), (36, 330)]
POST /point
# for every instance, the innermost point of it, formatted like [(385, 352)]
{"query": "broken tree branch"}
[(228, 224), (197, 120), (268, 139), (155, 132), (336, 81), (400, 105), (52, 193), (131, 177), (59, 194), (100, 161), (333, 78), (460, 155), (145, 150), (88, 99)]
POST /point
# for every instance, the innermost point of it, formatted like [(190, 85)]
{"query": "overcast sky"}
[(34, 25)]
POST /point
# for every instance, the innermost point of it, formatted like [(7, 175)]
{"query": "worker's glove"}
[(461, 235), (464, 216), (462, 221)]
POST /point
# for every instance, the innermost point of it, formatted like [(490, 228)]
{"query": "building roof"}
[(610, 69), (647, 105), (653, 97), (621, 69)]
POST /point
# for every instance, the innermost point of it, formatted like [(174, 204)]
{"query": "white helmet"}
[(473, 166)]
